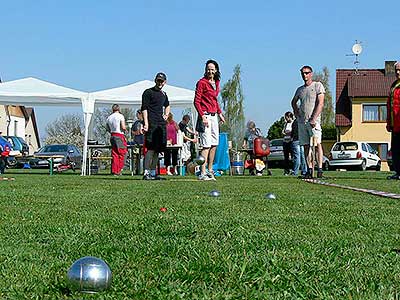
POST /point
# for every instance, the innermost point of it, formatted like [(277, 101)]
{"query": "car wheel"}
[(378, 166), (326, 166), (363, 166)]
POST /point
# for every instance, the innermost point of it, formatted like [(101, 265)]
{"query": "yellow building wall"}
[(371, 132)]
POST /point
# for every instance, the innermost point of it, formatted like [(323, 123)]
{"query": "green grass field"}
[(312, 242)]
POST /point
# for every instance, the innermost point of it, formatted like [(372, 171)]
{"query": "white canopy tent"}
[(33, 92)]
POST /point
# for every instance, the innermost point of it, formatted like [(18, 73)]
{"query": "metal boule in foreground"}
[(270, 196), (214, 193), (199, 160), (89, 275)]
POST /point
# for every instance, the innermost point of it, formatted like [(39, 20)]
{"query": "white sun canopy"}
[(132, 95), (33, 92)]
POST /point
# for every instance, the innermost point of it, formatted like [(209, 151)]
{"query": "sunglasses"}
[(305, 73)]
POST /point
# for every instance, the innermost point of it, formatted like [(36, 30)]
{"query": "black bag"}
[(200, 125)]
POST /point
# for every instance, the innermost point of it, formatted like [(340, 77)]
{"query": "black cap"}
[(162, 76)]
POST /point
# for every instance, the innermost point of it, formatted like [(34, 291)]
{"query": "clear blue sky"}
[(94, 45)]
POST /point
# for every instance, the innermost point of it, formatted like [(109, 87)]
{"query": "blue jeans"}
[(303, 161)]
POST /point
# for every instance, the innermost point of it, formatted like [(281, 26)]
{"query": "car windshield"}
[(55, 148), (277, 142), (345, 146)]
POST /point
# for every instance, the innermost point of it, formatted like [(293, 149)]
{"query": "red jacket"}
[(205, 99), (393, 108)]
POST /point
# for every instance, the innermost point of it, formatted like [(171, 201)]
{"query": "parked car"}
[(18, 144), (276, 156), (354, 154), (70, 153)]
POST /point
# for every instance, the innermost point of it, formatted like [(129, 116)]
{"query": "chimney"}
[(389, 68)]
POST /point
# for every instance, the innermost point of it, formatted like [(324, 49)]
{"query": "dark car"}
[(18, 144), (69, 154)]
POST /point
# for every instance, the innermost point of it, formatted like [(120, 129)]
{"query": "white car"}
[(354, 154)]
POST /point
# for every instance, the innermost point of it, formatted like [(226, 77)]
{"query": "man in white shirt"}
[(116, 126), (308, 111)]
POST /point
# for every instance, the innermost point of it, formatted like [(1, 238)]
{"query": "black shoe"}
[(158, 177), (319, 174), (306, 176), (148, 177), (393, 177)]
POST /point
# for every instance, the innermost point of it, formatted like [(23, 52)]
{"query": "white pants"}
[(210, 136)]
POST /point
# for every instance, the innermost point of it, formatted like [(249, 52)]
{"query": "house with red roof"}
[(361, 106)]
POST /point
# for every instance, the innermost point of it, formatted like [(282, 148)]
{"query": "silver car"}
[(276, 152), (63, 155)]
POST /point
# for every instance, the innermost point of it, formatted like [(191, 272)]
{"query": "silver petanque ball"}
[(89, 275), (199, 160), (214, 193), (270, 196)]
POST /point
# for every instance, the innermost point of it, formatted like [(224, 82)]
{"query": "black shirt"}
[(154, 101), (183, 128)]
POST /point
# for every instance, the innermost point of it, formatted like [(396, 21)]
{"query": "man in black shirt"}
[(155, 109)]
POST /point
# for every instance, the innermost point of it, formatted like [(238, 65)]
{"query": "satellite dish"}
[(357, 49)]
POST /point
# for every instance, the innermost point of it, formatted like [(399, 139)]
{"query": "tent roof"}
[(132, 94), (33, 91)]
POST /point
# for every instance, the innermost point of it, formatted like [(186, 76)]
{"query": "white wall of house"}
[(17, 126), (3, 120), (30, 137)]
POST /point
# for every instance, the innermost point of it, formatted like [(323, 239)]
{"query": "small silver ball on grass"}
[(89, 275), (214, 193), (270, 196), (200, 160)]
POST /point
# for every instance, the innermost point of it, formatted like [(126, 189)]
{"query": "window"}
[(15, 127), (374, 112), (345, 146)]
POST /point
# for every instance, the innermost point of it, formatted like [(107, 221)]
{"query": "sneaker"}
[(393, 177), (319, 174), (147, 177), (204, 177), (258, 174), (211, 175), (169, 171)]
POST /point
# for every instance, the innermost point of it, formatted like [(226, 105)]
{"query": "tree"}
[(232, 103), (328, 114), (67, 129), (275, 131)]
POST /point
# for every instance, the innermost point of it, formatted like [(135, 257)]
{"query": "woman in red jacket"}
[(206, 103), (393, 121)]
